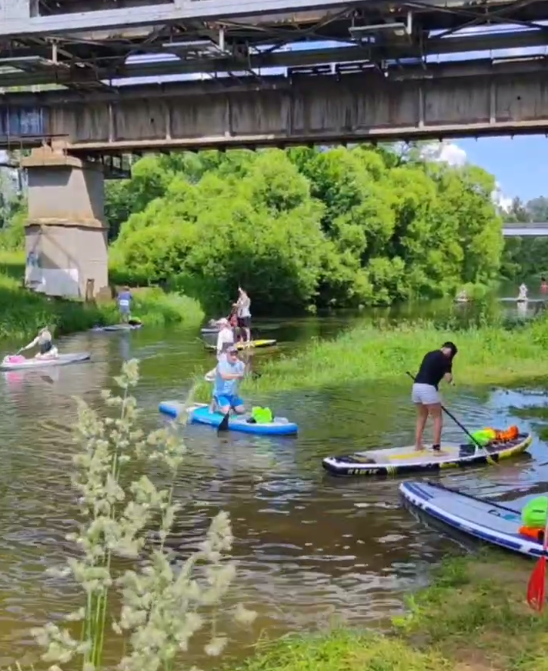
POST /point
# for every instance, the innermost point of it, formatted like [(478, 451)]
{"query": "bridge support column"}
[(66, 233)]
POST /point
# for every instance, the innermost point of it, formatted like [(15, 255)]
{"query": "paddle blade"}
[(223, 426), (536, 589)]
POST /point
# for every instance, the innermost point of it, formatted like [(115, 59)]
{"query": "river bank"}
[(24, 312), (487, 355), (472, 618)]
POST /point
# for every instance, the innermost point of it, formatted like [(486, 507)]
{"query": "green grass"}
[(487, 355), (24, 312), (472, 618), (344, 650)]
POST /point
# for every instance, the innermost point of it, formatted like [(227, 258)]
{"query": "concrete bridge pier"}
[(66, 233)]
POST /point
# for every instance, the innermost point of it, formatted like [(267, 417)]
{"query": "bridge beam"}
[(66, 234), (446, 100)]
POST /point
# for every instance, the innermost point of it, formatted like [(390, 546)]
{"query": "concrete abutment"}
[(66, 240)]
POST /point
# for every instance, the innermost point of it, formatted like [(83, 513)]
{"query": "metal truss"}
[(58, 45)]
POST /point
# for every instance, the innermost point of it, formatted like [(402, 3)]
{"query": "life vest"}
[(532, 532), (535, 513), (489, 435), (262, 415)]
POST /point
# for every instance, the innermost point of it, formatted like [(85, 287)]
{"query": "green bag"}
[(262, 415), (535, 513), (483, 437)]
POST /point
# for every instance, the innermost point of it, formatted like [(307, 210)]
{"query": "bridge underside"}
[(85, 44), (448, 100)]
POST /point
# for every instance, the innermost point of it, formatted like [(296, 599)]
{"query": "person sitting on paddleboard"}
[(230, 370), (435, 366), (45, 342), (124, 304)]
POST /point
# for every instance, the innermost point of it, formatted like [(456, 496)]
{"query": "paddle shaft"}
[(450, 414)]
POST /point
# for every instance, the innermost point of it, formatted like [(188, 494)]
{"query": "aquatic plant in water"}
[(162, 604)]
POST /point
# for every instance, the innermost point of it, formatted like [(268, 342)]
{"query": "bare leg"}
[(422, 416), (247, 334), (435, 412)]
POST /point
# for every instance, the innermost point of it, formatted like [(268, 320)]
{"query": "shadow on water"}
[(309, 546)]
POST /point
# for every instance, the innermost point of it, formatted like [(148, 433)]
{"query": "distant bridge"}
[(520, 230)]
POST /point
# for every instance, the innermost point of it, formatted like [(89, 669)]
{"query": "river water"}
[(311, 548)]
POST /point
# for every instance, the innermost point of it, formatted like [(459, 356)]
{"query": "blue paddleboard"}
[(201, 414)]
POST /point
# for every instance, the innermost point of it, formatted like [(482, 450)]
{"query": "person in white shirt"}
[(244, 314), (225, 337)]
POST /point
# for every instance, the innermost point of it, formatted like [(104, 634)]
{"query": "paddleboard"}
[(201, 414), (61, 360), (485, 520), (117, 327), (402, 460), (250, 344), (209, 330)]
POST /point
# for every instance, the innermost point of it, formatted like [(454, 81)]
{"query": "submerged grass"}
[(490, 354), (473, 618), (24, 312)]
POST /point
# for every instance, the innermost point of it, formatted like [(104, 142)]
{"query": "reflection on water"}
[(309, 545)]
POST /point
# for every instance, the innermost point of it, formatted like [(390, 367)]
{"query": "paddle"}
[(463, 428), (223, 426), (536, 587)]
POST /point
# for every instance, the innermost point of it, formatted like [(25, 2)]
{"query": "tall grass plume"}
[(162, 605)]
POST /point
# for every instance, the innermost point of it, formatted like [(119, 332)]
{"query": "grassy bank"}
[(486, 355), (24, 312), (473, 618)]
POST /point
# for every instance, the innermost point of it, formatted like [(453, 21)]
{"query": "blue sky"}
[(519, 164)]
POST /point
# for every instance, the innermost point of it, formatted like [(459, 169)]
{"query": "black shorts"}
[(244, 322)]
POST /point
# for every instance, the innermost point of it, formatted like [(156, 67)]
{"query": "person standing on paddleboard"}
[(124, 304), (230, 370), (244, 315), (435, 367), (44, 341)]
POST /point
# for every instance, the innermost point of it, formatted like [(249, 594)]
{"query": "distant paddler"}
[(462, 296), (522, 293), (124, 305), (242, 306), (44, 342)]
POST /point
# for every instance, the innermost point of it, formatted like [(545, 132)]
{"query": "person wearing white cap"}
[(225, 337)]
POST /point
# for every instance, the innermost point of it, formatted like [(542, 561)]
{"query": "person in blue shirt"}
[(230, 370), (124, 304)]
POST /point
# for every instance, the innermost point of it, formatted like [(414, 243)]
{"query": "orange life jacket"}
[(506, 436), (533, 533)]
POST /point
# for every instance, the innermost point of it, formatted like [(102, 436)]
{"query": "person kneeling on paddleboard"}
[(230, 370), (45, 342), (435, 366)]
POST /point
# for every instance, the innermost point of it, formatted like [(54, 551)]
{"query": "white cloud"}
[(503, 202), (450, 153), (446, 152)]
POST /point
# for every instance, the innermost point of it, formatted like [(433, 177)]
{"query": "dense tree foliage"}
[(305, 227), (526, 256)]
